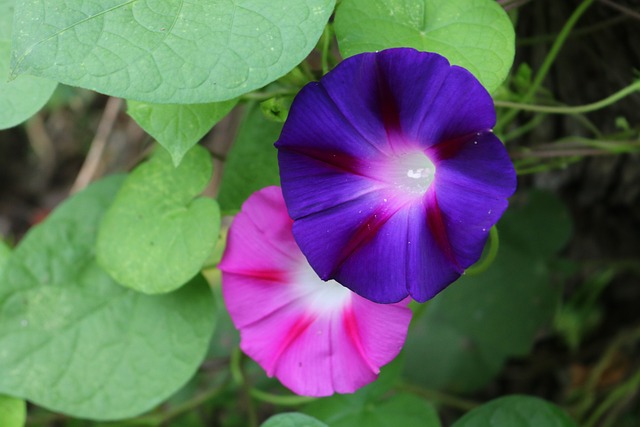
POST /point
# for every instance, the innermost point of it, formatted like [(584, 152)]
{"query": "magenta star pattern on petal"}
[(392, 175), (316, 337)]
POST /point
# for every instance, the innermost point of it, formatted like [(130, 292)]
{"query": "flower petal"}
[(316, 337), (480, 174), (394, 210)]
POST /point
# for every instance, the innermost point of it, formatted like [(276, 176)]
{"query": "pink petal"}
[(316, 337)]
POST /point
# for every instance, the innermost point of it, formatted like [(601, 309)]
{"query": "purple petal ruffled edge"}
[(370, 107)]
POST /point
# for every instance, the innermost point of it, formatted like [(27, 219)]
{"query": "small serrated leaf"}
[(178, 127), (475, 34), (158, 233)]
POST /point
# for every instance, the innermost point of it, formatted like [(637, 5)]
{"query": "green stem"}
[(621, 392), (263, 96), (274, 399), (524, 129), (327, 35), (579, 32), (556, 164), (161, 418), (235, 366), (549, 109), (548, 61), (625, 337), (440, 397), (492, 252)]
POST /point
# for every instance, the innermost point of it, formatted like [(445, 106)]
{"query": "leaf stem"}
[(262, 96), (274, 399), (327, 35), (492, 252), (625, 337), (440, 397), (548, 61), (156, 419), (619, 393), (550, 109)]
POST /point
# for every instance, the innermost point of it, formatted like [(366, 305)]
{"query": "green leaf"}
[(5, 253), (367, 407), (475, 34), (22, 97), (403, 409), (76, 342), (13, 412), (166, 51), (252, 162), (548, 225), (293, 419), (516, 411), (157, 234), (472, 327), (178, 127)]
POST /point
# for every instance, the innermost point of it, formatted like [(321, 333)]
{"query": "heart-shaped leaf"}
[(158, 233), (475, 34), (166, 51), (76, 342)]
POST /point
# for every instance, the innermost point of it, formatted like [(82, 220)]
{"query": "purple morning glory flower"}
[(316, 337), (392, 175)]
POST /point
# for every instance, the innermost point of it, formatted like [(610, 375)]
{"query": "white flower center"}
[(319, 296), (412, 173)]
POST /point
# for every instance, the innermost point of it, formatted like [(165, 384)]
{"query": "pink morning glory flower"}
[(316, 337), (392, 175)]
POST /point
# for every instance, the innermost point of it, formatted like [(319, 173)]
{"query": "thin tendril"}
[(548, 61)]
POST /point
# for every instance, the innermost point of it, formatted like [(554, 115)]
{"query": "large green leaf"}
[(166, 51), (158, 234), (178, 127), (475, 34), (293, 419), (74, 341), (252, 162), (516, 411), (472, 327), (24, 96), (13, 412)]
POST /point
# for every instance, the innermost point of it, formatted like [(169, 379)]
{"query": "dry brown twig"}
[(92, 161)]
